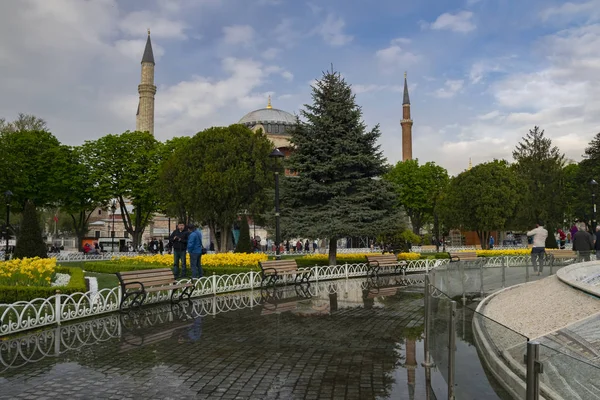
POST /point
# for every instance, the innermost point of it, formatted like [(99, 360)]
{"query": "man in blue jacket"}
[(194, 247)]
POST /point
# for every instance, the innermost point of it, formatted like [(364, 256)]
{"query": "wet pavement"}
[(348, 339)]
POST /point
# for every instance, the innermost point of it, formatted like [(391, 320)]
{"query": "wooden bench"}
[(375, 263), (560, 254), (272, 271), (463, 256), (137, 284)]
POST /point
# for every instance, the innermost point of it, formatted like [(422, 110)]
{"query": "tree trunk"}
[(332, 250), (224, 239), (484, 237)]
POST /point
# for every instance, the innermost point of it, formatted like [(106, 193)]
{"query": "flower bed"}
[(27, 272), (220, 260), (502, 253)]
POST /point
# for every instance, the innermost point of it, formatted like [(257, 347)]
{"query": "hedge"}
[(111, 267), (11, 294)]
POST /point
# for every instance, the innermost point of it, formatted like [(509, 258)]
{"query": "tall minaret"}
[(144, 120), (406, 124)]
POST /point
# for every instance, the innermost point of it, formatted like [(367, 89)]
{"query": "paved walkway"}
[(333, 346)]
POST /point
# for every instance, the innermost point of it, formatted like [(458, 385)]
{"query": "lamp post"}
[(277, 154), (113, 207), (593, 185), (8, 197)]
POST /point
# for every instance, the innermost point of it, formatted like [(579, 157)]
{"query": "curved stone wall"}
[(584, 276)]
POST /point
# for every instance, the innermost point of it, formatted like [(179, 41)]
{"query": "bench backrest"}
[(463, 256), (384, 259), (279, 265), (149, 277), (561, 253)]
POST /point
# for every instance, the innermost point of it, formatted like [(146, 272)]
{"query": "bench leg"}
[(187, 293), (135, 299), (304, 278)]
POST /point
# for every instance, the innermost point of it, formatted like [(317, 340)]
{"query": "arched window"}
[(268, 128), (276, 128)]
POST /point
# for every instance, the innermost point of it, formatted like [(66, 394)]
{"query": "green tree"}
[(220, 173), (337, 191), (126, 167), (81, 192), (482, 199), (30, 242), (540, 168), (579, 188), (244, 245), (418, 188), (171, 185), (24, 122), (30, 166)]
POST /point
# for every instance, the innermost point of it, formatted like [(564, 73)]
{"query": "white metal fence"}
[(25, 315)]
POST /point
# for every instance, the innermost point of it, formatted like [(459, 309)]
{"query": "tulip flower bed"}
[(29, 278)]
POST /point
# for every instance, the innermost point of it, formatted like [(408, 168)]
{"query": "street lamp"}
[(113, 207), (277, 154), (593, 185), (8, 197)]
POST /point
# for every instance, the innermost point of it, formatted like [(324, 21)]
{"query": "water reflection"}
[(354, 338)]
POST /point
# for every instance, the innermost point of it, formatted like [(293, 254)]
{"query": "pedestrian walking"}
[(179, 239), (583, 242), (538, 250)]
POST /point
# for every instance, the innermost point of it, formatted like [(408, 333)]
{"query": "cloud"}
[(459, 22), (332, 31), (136, 23), (394, 58), (359, 89), (567, 11), (271, 53), (238, 34), (450, 89)]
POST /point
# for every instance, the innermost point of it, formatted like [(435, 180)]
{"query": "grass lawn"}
[(105, 281)]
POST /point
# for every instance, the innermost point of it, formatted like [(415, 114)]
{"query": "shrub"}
[(27, 271), (30, 242)]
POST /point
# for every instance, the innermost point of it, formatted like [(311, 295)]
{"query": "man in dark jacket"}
[(583, 243), (179, 239)]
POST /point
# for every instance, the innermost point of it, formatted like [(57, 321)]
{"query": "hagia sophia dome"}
[(274, 122)]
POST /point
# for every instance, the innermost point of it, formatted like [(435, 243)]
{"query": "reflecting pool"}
[(346, 339)]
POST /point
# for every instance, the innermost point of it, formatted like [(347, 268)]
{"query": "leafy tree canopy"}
[(418, 188), (218, 174), (483, 199)]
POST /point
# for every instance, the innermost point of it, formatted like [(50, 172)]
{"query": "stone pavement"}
[(350, 345)]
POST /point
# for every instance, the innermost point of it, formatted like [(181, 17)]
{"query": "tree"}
[(220, 173), (337, 191), (172, 201), (483, 199), (30, 166), (126, 167), (418, 188), (30, 242), (539, 166), (244, 245), (24, 122), (81, 192), (579, 190)]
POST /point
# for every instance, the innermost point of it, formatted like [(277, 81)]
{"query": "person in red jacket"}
[(562, 236)]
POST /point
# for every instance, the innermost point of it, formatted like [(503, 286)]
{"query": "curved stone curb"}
[(511, 377), (572, 275)]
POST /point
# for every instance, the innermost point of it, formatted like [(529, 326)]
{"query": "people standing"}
[(539, 246), (179, 239), (194, 247), (583, 242), (491, 242), (161, 247)]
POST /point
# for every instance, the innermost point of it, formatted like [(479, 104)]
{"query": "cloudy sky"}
[(481, 72)]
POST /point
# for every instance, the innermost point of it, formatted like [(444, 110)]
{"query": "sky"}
[(481, 73)]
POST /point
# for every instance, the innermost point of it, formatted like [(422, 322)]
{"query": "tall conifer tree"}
[(30, 242), (337, 190)]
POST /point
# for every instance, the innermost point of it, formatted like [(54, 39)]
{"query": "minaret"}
[(470, 164), (406, 124), (144, 121)]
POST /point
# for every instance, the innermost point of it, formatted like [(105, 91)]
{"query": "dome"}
[(268, 115)]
